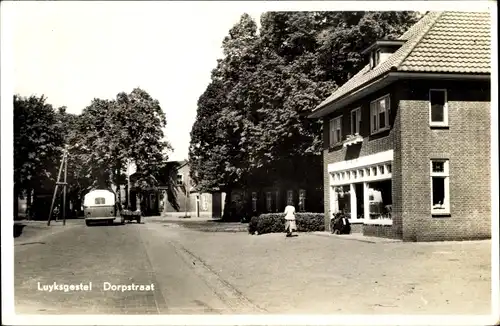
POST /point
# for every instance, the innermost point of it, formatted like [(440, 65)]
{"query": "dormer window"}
[(381, 50), (374, 58)]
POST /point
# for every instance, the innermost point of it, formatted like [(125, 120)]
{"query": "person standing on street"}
[(290, 224)]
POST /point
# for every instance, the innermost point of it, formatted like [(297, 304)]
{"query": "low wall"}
[(382, 231)]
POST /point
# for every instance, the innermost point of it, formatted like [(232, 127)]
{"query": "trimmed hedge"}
[(275, 223)]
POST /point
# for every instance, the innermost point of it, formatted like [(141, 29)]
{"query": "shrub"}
[(275, 223), (309, 222)]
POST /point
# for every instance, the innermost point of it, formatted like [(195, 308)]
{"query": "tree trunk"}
[(228, 207), (117, 184)]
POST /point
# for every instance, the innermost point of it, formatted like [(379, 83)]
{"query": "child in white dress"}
[(290, 224)]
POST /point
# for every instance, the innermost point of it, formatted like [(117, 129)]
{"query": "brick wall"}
[(466, 144), (370, 145), (382, 231)]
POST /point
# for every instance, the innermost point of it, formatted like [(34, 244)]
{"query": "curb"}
[(354, 237)]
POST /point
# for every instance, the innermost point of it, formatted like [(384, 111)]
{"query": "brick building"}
[(270, 189), (407, 139)]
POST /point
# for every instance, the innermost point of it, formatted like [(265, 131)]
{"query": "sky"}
[(73, 52)]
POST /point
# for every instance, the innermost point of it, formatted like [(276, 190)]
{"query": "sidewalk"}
[(328, 274), (26, 231), (356, 237)]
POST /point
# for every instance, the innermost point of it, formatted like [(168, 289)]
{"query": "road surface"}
[(159, 276), (212, 268)]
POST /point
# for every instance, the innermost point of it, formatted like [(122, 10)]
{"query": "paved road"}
[(222, 269), (140, 254)]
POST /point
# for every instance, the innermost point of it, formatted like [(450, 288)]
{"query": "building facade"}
[(274, 198), (407, 140), (180, 197)]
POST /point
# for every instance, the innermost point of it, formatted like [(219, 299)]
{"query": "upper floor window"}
[(335, 131), (180, 179), (379, 114), (355, 121), (438, 107)]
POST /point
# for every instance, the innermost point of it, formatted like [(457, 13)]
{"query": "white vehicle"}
[(100, 205)]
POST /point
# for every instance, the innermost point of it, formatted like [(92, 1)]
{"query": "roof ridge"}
[(416, 39)]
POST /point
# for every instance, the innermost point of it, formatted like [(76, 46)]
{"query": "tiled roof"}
[(441, 42)]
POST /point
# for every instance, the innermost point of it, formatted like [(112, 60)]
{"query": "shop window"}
[(344, 199), (380, 199)]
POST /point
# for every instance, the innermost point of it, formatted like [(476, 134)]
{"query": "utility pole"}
[(63, 164), (128, 184), (64, 187)]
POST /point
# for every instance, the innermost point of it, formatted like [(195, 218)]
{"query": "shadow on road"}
[(211, 225), (105, 224), (112, 224), (18, 229), (30, 243)]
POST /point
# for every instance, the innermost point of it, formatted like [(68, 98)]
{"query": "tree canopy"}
[(251, 119), (101, 141), (38, 140)]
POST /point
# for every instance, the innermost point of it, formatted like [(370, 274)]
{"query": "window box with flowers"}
[(353, 139)]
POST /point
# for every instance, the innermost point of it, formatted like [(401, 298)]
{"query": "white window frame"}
[(335, 124), (443, 123), (374, 107), (177, 179), (254, 201), (302, 200), (356, 125), (446, 176), (269, 201)]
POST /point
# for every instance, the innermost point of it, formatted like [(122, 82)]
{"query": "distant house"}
[(407, 139), (180, 196)]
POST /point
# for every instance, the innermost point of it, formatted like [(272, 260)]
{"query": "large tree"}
[(38, 140), (216, 156), (112, 133), (251, 120)]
